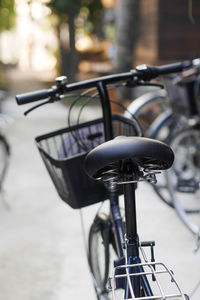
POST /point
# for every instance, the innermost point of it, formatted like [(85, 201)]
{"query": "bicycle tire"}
[(99, 246), (154, 128), (163, 129), (183, 179), (4, 158), (147, 107)]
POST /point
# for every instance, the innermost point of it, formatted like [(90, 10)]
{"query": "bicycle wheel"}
[(4, 158), (183, 179), (163, 129), (147, 107), (101, 249), (157, 122)]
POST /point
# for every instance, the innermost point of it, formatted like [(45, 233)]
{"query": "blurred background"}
[(86, 38), (41, 249)]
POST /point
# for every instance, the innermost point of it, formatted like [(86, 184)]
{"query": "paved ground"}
[(42, 250)]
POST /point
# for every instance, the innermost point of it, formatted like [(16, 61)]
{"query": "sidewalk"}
[(42, 251)]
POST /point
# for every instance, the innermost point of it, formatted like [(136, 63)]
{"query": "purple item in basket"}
[(82, 140)]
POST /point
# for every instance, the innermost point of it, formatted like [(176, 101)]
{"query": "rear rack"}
[(164, 285)]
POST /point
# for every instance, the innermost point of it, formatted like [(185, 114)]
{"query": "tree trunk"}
[(127, 30), (73, 55), (63, 52), (68, 62)]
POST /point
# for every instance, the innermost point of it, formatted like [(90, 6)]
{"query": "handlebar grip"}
[(32, 97), (148, 73), (171, 68)]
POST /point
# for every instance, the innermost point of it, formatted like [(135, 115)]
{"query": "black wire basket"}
[(183, 94), (64, 151)]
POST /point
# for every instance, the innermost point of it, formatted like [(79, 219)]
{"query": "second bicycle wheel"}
[(183, 178), (101, 255), (163, 130), (4, 157)]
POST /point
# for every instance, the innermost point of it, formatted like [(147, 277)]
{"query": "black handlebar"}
[(142, 72), (148, 73), (33, 96)]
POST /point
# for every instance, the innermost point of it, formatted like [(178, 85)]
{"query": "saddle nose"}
[(144, 152)]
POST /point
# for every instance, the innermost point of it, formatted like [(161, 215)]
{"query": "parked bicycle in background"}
[(173, 116), (4, 144)]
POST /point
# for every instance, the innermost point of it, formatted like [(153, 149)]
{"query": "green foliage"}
[(7, 14), (64, 7), (190, 13), (95, 9)]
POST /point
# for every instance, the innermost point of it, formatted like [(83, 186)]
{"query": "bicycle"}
[(177, 125), (112, 151), (4, 144), (184, 190)]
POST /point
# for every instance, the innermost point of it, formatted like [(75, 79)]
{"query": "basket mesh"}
[(63, 153)]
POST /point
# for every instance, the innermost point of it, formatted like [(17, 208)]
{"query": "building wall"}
[(146, 49), (178, 29), (169, 31)]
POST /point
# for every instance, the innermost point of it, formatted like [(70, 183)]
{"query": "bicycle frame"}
[(132, 241), (128, 244)]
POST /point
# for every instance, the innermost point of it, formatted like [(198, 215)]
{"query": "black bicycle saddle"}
[(144, 152)]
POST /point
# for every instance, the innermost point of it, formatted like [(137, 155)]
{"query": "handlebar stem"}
[(105, 102)]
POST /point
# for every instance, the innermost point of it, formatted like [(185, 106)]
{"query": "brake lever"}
[(161, 86), (38, 105), (60, 86), (134, 83)]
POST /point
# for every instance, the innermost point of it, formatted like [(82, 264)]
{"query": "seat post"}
[(131, 219), (131, 241)]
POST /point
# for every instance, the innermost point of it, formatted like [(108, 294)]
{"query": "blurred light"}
[(36, 10), (84, 43), (108, 3), (22, 8), (34, 34)]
